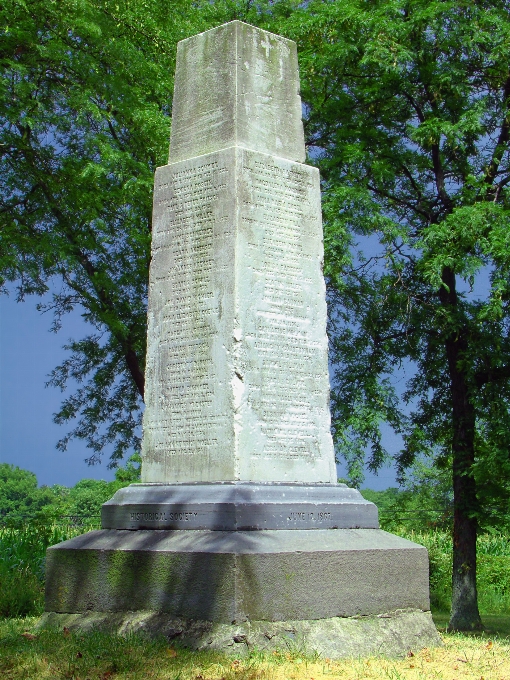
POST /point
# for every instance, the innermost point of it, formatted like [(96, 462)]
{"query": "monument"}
[(238, 526)]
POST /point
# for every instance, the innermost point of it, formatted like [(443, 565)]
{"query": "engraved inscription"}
[(162, 516), (309, 517), (188, 228), (290, 353), (236, 375)]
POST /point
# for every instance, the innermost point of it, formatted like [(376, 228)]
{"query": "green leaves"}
[(20, 496), (84, 121), (471, 237), (408, 108)]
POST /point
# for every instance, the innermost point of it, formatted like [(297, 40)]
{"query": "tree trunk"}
[(464, 614), (135, 370)]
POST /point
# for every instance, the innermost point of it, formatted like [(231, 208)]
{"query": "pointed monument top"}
[(236, 85)]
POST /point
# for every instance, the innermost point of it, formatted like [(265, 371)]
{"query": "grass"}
[(493, 569), (29, 655), (494, 625), (22, 556), (56, 655)]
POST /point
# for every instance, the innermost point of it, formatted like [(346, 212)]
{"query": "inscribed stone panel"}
[(284, 410), (188, 434)]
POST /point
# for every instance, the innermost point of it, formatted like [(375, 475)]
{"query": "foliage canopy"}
[(20, 497), (409, 114)]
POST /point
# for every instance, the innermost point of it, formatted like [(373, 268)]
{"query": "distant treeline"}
[(423, 502), (22, 501)]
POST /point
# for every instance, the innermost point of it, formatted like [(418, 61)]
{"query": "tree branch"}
[(504, 136), (416, 107), (399, 201), (493, 375)]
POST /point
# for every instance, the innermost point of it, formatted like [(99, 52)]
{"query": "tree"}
[(408, 118), (22, 501), (20, 497), (84, 499), (423, 502), (85, 104)]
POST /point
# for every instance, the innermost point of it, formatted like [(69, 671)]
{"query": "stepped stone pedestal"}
[(239, 524)]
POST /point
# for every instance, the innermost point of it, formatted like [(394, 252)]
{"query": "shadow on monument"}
[(190, 574)]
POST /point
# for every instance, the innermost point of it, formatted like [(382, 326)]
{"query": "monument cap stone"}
[(236, 85)]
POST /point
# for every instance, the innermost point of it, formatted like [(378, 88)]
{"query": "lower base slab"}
[(393, 634), (235, 576)]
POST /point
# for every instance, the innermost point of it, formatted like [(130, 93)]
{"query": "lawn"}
[(26, 654)]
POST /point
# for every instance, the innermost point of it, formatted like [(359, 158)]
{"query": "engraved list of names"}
[(282, 307), (187, 424)]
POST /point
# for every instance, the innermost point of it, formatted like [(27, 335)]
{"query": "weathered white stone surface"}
[(236, 85), (237, 380), (237, 377)]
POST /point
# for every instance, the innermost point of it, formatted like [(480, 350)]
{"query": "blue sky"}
[(28, 352)]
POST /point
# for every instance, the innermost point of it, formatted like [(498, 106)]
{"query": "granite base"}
[(228, 577), (234, 506)]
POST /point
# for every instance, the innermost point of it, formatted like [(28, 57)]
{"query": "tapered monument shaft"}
[(237, 374)]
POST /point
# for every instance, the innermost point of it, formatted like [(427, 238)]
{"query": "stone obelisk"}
[(237, 379), (238, 517)]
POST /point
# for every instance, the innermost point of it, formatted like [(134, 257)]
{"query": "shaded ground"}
[(497, 625), (25, 654)]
